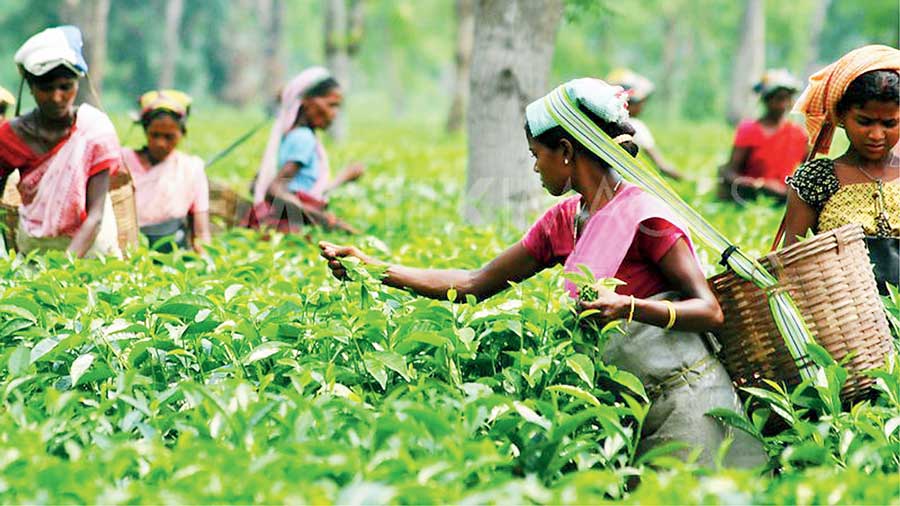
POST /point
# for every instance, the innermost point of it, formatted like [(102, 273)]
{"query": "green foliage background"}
[(405, 60)]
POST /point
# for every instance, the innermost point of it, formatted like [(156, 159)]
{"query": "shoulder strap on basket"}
[(779, 236)]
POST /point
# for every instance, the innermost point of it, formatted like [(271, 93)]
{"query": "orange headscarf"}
[(818, 103)]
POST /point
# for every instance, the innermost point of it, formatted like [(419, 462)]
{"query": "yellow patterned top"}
[(878, 212), (860, 203)]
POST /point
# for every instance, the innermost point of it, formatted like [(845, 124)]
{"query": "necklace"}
[(582, 215), (882, 223)]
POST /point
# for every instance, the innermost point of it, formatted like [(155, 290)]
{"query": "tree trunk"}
[(749, 63), (512, 52), (816, 25), (670, 62), (465, 35), (97, 47), (396, 90), (271, 16), (337, 57), (171, 43), (92, 17), (241, 42)]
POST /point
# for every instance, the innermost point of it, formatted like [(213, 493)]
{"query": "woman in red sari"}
[(64, 154)]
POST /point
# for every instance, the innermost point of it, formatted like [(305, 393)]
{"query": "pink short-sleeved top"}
[(552, 238), (171, 189)]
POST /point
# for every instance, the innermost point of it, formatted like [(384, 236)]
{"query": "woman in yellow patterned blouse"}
[(860, 93)]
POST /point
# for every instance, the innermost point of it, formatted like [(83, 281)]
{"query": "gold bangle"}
[(672, 314), (630, 312)]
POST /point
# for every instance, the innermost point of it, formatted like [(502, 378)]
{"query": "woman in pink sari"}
[(64, 154), (170, 187), (616, 230), (294, 177)]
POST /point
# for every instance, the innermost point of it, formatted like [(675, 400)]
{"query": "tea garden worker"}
[(171, 189), (639, 89), (64, 153), (6, 101), (768, 149), (616, 230), (294, 176), (861, 94)]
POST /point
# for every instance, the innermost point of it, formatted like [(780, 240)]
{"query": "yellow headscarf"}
[(6, 97), (166, 100), (818, 103)]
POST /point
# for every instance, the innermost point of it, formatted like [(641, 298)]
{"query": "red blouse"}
[(772, 156), (551, 239)]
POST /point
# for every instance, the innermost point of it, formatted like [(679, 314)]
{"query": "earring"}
[(566, 161)]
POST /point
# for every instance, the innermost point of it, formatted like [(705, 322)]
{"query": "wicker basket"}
[(121, 192), (226, 205), (9, 207), (831, 281)]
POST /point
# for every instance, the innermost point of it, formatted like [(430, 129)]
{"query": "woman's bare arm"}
[(201, 230), (799, 218), (514, 264), (98, 186), (278, 190)]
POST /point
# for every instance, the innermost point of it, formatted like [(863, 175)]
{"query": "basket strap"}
[(780, 234), (777, 265)]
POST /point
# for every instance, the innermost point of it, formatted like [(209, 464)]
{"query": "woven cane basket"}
[(831, 281), (9, 207), (226, 205), (121, 192)]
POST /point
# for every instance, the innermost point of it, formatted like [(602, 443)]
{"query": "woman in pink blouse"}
[(615, 230), (171, 189)]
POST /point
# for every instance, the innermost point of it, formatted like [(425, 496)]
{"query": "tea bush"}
[(250, 375)]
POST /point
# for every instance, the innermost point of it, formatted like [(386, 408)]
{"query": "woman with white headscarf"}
[(616, 230), (294, 177), (64, 153)]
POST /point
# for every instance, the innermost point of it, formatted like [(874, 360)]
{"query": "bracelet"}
[(630, 312), (671, 308)]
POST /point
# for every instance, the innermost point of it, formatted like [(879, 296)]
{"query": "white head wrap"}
[(51, 48), (609, 103), (775, 79)]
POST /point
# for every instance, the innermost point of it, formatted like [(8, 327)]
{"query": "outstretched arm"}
[(351, 173), (515, 264), (733, 169), (278, 190), (662, 164)]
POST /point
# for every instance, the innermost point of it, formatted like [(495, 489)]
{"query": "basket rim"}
[(815, 245)]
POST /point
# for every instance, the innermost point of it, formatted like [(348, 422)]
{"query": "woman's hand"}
[(354, 171), (609, 306), (333, 253)]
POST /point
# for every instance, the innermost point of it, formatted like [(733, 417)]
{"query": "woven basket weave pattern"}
[(121, 192), (227, 205), (831, 281)]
